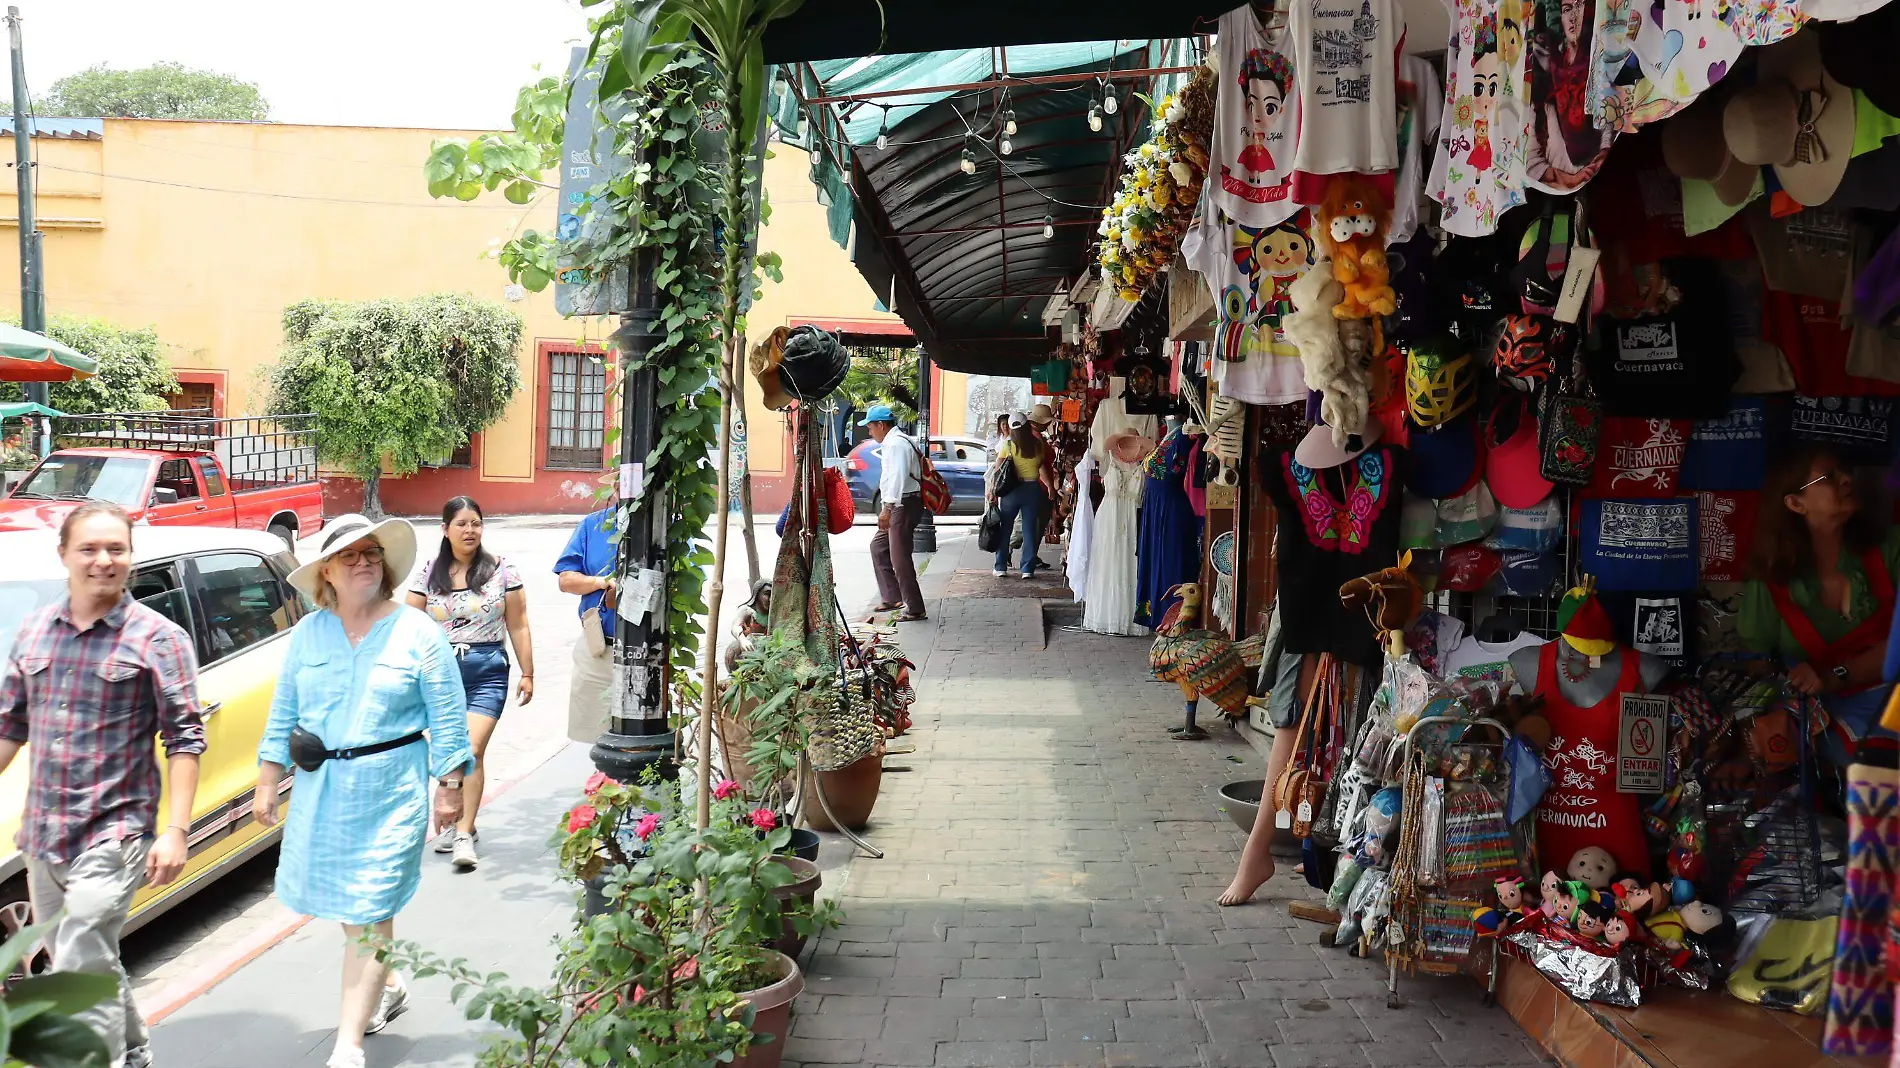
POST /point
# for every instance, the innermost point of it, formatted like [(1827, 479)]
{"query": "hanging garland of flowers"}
[(1161, 183)]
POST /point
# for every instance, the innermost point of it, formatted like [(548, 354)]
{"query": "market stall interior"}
[(1498, 413)]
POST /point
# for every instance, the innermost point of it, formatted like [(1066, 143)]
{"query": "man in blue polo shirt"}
[(586, 569)]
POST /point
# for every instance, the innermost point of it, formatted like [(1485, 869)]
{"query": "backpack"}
[(935, 491)]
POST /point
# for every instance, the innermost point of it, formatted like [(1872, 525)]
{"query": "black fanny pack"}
[(308, 752)]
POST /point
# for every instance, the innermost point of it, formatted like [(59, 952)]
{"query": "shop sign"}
[(1640, 736)]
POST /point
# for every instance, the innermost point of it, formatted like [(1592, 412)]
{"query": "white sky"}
[(423, 63)]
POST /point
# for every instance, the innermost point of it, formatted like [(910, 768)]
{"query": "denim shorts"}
[(484, 676)]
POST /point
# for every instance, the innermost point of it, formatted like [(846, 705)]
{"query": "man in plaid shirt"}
[(90, 680)]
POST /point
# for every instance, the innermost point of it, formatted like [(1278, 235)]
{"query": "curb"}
[(176, 995)]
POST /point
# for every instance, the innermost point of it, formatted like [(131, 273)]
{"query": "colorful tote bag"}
[(1860, 1002)]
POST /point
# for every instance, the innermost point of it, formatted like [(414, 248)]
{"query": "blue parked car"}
[(961, 461)]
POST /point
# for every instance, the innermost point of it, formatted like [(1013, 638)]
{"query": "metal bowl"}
[(1241, 801)]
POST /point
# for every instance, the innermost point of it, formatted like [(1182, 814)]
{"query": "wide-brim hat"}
[(396, 536), (1042, 415), (1861, 54), (1820, 121), (1695, 148), (764, 363), (1318, 450), (1130, 446), (812, 364)]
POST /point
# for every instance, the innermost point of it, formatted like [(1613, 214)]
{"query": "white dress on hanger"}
[(1110, 600), (1083, 530)]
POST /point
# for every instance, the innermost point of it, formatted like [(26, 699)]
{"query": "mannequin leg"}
[(1256, 858)]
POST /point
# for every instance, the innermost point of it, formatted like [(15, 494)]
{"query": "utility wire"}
[(276, 196)]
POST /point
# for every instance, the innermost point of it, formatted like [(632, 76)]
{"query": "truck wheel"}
[(286, 533)]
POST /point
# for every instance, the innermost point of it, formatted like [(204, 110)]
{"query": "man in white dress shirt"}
[(901, 505)]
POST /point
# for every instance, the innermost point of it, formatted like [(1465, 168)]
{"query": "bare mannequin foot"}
[(1251, 876)]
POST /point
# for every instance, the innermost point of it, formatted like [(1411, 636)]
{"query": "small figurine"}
[(1638, 898), (1593, 918), (1675, 927), (1618, 928), (1686, 861), (1496, 921), (1593, 865), (1570, 895), (1549, 888)]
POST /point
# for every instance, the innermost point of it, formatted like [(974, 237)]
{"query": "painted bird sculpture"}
[(1202, 662)]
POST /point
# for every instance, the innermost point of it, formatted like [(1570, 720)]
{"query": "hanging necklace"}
[(1563, 663)]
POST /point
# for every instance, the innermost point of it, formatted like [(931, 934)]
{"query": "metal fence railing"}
[(255, 451)]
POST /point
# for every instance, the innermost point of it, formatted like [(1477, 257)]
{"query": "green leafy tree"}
[(160, 91), (880, 375), (396, 382), (134, 375)]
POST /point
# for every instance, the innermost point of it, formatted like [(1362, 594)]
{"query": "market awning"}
[(835, 29), (21, 409), (29, 357), (968, 260)]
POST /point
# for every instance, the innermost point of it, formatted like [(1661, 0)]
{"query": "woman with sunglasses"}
[(478, 600), (1820, 595)]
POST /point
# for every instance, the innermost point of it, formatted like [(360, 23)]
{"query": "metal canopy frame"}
[(963, 257)]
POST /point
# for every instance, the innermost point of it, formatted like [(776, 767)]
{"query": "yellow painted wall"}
[(207, 230)]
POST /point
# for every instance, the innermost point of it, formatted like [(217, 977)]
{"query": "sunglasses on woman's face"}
[(1839, 478)]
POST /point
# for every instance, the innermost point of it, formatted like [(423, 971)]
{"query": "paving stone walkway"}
[(1047, 895)]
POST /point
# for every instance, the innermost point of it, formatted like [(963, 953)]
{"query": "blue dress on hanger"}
[(1168, 541)]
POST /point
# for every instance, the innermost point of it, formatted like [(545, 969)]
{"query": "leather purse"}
[(1301, 789), (1570, 423)]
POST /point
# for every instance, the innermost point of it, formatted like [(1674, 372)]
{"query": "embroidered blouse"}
[(1335, 525)]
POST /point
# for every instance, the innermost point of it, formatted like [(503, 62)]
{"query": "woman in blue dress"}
[(371, 694)]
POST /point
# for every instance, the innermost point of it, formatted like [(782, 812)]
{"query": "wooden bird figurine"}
[(1202, 661)]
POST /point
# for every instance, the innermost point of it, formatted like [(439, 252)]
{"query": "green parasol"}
[(29, 357)]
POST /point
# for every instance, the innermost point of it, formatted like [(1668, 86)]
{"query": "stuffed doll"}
[(1570, 896), (1510, 907), (1593, 918), (1618, 928), (1351, 223), (1686, 862), (1676, 927), (1641, 900), (1344, 385), (1593, 865), (1549, 888)]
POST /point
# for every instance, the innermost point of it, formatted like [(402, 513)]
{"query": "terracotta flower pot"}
[(800, 893), (851, 791), (772, 1016)]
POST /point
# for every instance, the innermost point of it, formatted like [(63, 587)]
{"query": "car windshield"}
[(70, 476), (17, 598)]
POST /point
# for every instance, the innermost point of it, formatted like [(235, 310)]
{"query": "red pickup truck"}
[(177, 469)]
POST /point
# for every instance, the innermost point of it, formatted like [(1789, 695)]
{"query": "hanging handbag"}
[(1570, 423), (1298, 793), (989, 532)]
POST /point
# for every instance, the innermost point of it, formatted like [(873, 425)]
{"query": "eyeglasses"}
[(352, 557), (1838, 477)]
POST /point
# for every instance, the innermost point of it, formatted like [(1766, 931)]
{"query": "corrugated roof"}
[(69, 129)]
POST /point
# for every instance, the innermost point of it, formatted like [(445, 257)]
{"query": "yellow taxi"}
[(229, 590)]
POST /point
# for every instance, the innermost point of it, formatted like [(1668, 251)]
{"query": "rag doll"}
[(1344, 385), (1510, 908), (1593, 918), (1593, 865), (1550, 888), (1641, 900), (1618, 929), (1351, 223), (1675, 928)]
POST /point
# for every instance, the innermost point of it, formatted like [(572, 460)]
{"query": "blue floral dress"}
[(354, 834)]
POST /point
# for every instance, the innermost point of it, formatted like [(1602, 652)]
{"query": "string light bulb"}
[(1009, 122), (1048, 227), (884, 131), (969, 158), (1004, 146), (1095, 117), (1109, 103)]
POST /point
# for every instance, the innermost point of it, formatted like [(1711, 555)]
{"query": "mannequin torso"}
[(1581, 684)]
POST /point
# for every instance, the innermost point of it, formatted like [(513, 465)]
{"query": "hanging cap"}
[(1587, 627)]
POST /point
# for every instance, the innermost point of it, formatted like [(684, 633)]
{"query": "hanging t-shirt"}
[(1679, 365), (1432, 636), (1250, 270), (1638, 457), (1474, 659), (1566, 147), (1809, 333), (1640, 545), (1421, 104), (1860, 429), (1347, 74), (1728, 531), (1256, 121), (1335, 525), (1730, 452), (1653, 622), (1478, 171), (1764, 369)]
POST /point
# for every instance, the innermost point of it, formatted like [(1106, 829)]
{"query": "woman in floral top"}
[(476, 597)]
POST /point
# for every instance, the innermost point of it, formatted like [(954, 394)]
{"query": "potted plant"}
[(675, 969), (770, 685)]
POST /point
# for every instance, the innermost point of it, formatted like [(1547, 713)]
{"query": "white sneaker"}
[(464, 857), (1025, 575), (341, 1057), (445, 841), (395, 1001), (998, 572), (138, 1057)]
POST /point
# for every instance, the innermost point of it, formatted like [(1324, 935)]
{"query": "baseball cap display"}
[(1418, 523), (1467, 517), (1536, 529), (1525, 574), (1467, 568), (1445, 461), (1513, 459)]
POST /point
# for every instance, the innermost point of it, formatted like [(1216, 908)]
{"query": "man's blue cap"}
[(879, 413)]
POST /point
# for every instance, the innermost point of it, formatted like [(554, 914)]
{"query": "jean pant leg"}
[(1007, 506), (1032, 511)]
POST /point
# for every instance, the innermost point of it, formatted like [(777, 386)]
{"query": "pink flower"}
[(581, 817), (764, 819), (725, 788), (649, 823), (687, 969), (596, 781), (639, 993)]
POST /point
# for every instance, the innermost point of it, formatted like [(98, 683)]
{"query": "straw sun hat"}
[(396, 536)]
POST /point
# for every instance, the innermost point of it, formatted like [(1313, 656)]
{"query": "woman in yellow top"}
[(1820, 596), (1017, 488)]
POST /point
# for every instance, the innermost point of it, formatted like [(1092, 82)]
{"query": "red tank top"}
[(1582, 807)]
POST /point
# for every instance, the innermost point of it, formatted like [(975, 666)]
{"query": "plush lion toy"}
[(1352, 223)]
